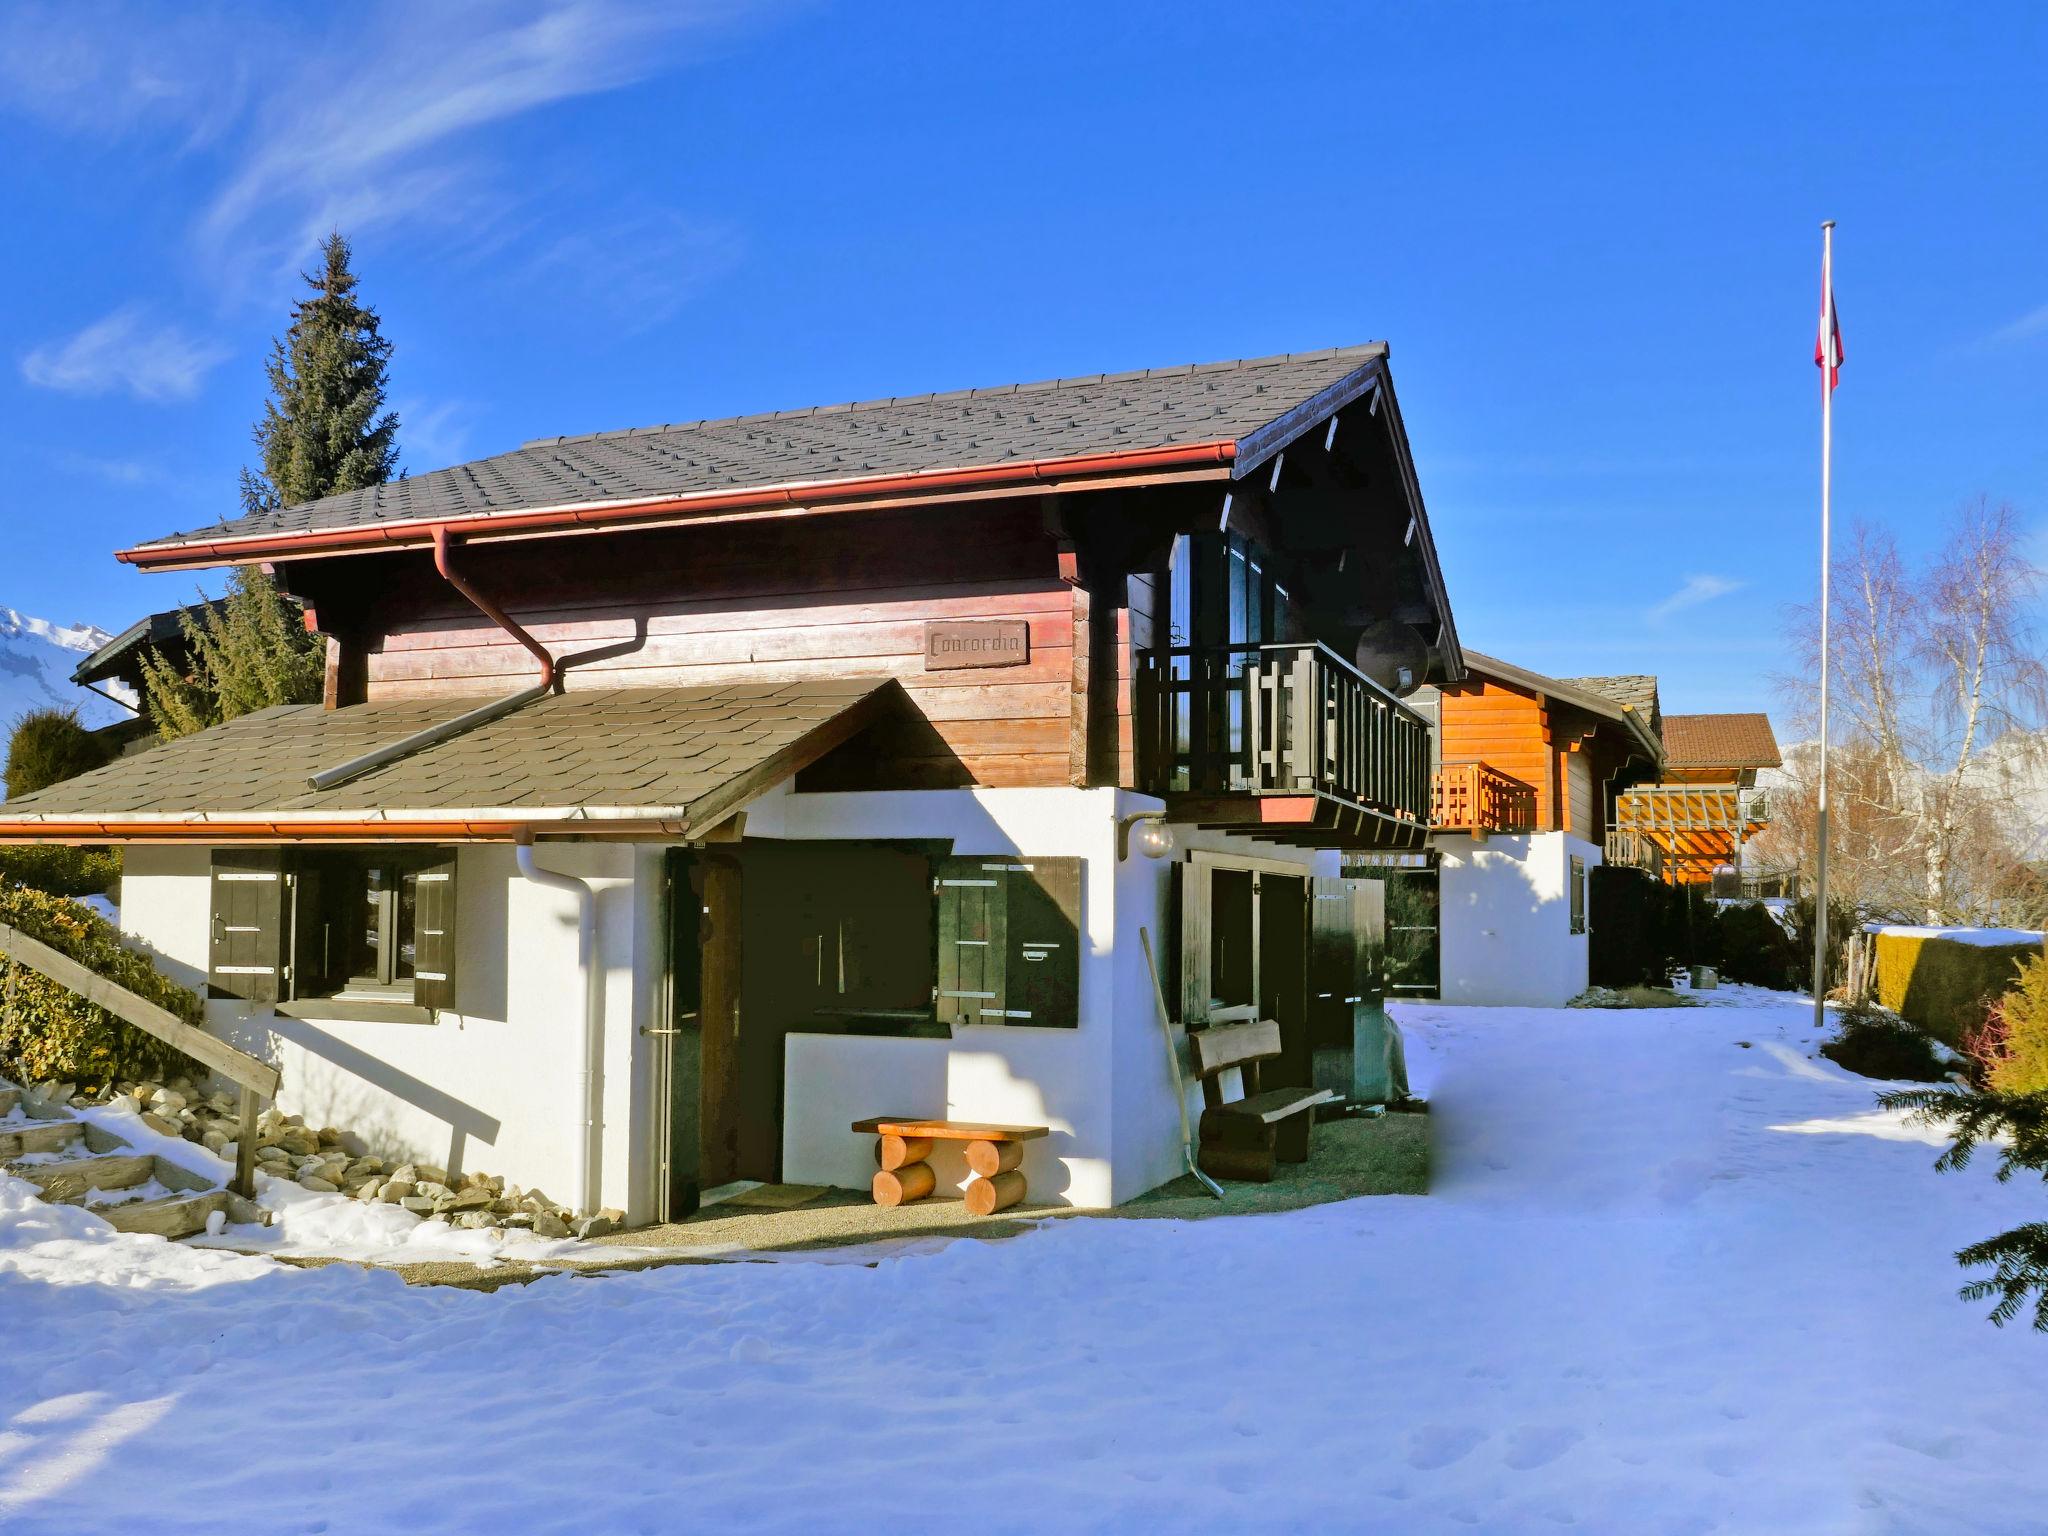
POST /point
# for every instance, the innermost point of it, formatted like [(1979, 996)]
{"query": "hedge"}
[(49, 1031), (1944, 985)]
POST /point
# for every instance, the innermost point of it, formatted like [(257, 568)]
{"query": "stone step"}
[(172, 1216), (68, 1181), (45, 1136)]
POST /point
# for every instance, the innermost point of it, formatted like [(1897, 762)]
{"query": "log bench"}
[(1246, 1137), (903, 1143)]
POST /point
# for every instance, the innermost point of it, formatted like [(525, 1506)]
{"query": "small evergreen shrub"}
[(49, 1031), (1874, 1044), (48, 746), (1755, 948), (2021, 1065), (1842, 922)]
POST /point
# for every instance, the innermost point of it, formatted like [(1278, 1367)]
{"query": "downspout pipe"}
[(377, 757), (593, 1009)]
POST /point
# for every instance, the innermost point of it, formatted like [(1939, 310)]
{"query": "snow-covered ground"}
[(1668, 1282)]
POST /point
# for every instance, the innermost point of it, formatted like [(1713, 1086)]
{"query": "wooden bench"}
[(1246, 1137), (902, 1143)]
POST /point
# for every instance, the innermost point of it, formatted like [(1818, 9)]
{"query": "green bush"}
[(1944, 985), (49, 1031), (1842, 921), (1878, 1045), (2022, 1064), (61, 871), (49, 746), (1755, 948)]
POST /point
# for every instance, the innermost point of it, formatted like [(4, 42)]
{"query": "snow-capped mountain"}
[(36, 661)]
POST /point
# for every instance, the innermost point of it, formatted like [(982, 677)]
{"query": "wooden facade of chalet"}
[(1521, 752)]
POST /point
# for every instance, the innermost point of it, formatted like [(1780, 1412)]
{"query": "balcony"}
[(1632, 850), (1287, 742), (1471, 797)]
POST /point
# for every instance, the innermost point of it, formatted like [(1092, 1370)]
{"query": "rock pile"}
[(328, 1160)]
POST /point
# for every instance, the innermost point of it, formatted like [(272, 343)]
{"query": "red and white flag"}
[(1827, 346)]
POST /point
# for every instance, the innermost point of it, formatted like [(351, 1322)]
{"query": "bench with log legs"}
[(903, 1143), (1245, 1138)]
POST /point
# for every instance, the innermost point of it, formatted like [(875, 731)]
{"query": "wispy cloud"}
[(635, 271), (1694, 591), (125, 353), (434, 436), (2027, 327), (113, 471), (365, 136)]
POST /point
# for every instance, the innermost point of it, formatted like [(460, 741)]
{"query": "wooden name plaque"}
[(953, 643)]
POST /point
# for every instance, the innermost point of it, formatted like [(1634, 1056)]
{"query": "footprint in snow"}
[(1538, 1445), (1438, 1445)]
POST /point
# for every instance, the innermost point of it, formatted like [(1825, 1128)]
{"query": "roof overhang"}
[(1579, 698), (1181, 461)]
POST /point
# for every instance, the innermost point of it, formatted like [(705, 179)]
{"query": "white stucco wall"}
[(1505, 920), (491, 1086)]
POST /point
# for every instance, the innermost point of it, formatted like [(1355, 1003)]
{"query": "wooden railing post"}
[(245, 1147)]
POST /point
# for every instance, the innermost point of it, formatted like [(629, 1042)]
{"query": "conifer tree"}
[(324, 431), (2018, 1124)]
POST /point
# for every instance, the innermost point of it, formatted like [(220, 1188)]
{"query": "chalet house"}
[(1529, 770), (1691, 825), (682, 795)]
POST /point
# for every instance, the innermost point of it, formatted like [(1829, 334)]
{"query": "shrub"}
[(1944, 985), (49, 746), (1879, 1045), (1755, 948), (49, 1031), (61, 871), (1985, 1044), (2022, 1063)]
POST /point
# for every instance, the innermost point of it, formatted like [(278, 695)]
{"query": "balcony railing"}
[(1472, 797), (1277, 719), (1632, 850)]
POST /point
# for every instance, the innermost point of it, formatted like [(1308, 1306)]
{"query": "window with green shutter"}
[(1009, 940), (351, 925)]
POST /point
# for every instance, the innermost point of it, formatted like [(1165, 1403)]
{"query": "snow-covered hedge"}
[(1942, 980)]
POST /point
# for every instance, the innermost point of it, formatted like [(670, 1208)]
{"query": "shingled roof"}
[(683, 757), (1638, 690), (1221, 406), (1720, 741)]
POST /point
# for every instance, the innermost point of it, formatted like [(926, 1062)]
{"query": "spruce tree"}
[(324, 431), (2017, 1123)]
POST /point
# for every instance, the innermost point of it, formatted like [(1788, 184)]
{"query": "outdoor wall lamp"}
[(1147, 831)]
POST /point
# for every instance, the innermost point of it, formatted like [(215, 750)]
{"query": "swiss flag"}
[(1827, 345)]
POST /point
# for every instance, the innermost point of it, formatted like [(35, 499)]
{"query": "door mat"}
[(775, 1197)]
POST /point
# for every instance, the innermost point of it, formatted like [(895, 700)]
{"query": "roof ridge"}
[(1361, 350)]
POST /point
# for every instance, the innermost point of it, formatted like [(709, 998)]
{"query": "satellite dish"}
[(1393, 655)]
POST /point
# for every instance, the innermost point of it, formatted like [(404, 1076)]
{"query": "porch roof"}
[(668, 762)]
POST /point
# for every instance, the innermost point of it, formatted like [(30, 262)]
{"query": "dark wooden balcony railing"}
[(1277, 719), (1632, 850), (1472, 797)]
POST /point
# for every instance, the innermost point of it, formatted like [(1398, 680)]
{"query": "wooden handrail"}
[(1477, 797), (257, 1079)]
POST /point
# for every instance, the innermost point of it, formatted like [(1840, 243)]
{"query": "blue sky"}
[(1589, 233)]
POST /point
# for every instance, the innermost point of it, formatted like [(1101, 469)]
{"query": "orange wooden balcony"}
[(1471, 797)]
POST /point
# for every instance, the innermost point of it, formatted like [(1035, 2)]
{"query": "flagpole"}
[(1827, 455)]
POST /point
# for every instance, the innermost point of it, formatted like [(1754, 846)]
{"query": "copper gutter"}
[(91, 832), (414, 532)]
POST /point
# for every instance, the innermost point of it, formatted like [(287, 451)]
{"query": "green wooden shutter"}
[(1196, 991), (251, 904), (1042, 969), (971, 901), (433, 956), (1009, 941), (1578, 895)]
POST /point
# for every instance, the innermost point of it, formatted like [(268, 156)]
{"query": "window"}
[(1578, 895), (346, 927)]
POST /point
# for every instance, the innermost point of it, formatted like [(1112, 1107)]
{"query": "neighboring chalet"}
[(119, 664), (1528, 774), (1691, 825), (683, 795)]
